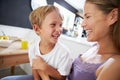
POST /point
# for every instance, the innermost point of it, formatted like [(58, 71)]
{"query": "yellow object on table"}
[(24, 44), (4, 37)]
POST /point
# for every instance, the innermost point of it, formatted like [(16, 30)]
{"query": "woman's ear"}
[(113, 16), (36, 28)]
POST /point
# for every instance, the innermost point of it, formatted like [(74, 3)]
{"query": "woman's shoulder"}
[(110, 70), (116, 57), (113, 61)]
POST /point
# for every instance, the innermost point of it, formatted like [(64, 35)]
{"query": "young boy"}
[(50, 60)]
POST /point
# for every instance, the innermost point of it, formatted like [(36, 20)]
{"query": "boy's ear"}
[(36, 28), (113, 16)]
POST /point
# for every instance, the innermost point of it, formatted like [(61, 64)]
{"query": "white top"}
[(59, 57)]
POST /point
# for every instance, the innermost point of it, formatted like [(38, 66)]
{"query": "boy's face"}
[(51, 28)]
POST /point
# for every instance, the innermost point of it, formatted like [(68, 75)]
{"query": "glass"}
[(24, 44)]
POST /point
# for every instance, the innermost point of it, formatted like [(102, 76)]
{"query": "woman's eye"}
[(87, 17)]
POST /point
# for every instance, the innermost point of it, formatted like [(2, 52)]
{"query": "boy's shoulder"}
[(63, 46)]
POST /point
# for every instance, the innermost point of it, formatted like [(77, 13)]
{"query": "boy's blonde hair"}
[(38, 15)]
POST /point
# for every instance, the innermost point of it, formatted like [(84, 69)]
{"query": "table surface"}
[(13, 49), (13, 55)]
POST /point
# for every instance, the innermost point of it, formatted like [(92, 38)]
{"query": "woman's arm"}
[(35, 74), (43, 75), (39, 75)]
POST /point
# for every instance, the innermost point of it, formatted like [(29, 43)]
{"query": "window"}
[(71, 23)]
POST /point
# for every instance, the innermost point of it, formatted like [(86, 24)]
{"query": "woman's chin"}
[(90, 39)]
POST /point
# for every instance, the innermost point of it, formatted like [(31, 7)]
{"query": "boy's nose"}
[(59, 29)]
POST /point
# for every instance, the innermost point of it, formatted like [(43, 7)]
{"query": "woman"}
[(102, 24)]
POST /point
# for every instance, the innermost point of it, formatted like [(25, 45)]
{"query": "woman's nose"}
[(83, 24)]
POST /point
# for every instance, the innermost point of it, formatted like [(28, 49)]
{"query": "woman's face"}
[(51, 28), (95, 23)]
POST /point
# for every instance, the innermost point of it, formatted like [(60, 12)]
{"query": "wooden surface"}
[(13, 55)]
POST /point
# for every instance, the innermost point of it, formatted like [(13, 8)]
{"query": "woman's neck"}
[(107, 49), (106, 46)]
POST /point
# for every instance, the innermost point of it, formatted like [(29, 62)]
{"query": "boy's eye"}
[(53, 24), (60, 25)]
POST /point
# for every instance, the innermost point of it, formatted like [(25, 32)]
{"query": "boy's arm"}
[(40, 64), (53, 73)]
